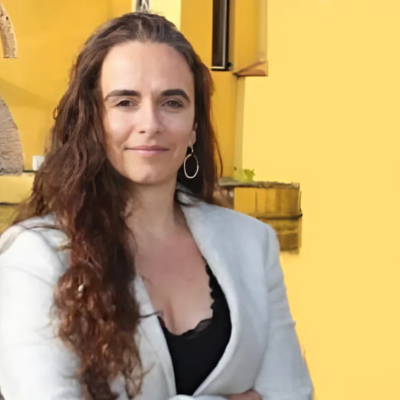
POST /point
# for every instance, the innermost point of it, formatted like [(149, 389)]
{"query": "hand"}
[(249, 395)]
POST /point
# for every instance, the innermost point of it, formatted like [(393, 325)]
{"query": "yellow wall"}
[(224, 108), (196, 25), (328, 117), (239, 123), (49, 35), (244, 38), (171, 9)]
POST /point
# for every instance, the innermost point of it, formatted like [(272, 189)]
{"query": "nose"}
[(148, 119)]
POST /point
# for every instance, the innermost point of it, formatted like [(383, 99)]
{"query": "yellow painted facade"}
[(244, 41), (168, 8), (224, 108), (327, 116), (49, 34)]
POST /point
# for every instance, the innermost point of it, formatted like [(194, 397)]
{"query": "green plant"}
[(243, 175)]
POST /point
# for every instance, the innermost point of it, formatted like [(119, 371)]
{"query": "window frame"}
[(225, 65)]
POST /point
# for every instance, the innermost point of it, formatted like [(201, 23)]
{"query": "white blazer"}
[(263, 352)]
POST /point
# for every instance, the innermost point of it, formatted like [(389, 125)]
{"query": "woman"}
[(122, 278)]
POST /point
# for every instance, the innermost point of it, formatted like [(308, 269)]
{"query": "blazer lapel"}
[(211, 240), (151, 329), (209, 236)]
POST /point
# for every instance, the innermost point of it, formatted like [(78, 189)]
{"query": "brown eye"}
[(173, 104), (124, 103)]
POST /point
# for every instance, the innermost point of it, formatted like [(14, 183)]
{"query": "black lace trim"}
[(215, 291)]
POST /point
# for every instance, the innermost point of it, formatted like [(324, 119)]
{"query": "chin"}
[(150, 179)]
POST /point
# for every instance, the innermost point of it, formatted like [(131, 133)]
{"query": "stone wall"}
[(11, 159)]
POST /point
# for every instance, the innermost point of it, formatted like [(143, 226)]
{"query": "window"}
[(220, 35)]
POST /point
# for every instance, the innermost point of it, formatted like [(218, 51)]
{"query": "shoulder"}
[(228, 228), (234, 222), (34, 246), (40, 227), (219, 218)]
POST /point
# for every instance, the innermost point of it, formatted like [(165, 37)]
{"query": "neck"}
[(154, 211)]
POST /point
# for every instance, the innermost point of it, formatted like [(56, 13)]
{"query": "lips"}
[(148, 151), (148, 148)]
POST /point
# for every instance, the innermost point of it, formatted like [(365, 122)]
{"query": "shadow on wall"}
[(17, 96)]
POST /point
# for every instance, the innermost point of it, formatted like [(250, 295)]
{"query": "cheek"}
[(181, 139), (117, 127), (181, 129)]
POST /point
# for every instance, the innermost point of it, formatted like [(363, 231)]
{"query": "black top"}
[(197, 352)]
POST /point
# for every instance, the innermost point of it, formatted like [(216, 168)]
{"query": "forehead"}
[(145, 67)]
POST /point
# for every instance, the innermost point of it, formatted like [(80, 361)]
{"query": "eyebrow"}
[(175, 92), (121, 93), (135, 93)]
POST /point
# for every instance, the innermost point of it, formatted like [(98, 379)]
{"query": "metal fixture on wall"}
[(142, 5)]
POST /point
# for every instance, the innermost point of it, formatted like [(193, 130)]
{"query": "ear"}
[(192, 137)]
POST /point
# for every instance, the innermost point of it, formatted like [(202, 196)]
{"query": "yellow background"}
[(49, 34), (327, 116)]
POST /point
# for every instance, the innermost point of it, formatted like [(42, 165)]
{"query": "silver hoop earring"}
[(197, 162)]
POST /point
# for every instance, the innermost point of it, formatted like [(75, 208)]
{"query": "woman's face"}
[(148, 94)]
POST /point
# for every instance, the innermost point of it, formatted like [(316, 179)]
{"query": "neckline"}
[(204, 324)]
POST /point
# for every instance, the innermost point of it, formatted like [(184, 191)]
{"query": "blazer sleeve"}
[(184, 397), (284, 374), (34, 364)]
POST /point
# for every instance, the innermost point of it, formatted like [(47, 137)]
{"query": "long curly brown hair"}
[(89, 197)]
